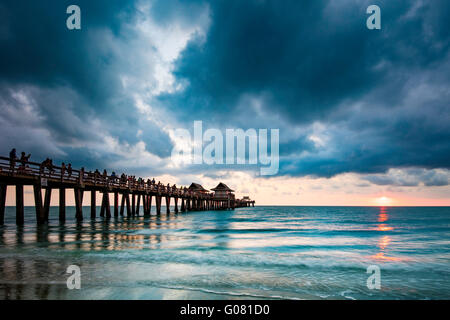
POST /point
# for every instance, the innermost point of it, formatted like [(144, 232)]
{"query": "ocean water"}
[(261, 253)]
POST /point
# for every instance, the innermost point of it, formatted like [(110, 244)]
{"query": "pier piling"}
[(138, 204), (19, 205), (93, 205), (3, 188), (62, 204), (127, 201), (168, 204), (176, 204), (116, 204), (37, 190), (158, 205), (122, 206), (47, 199), (78, 204)]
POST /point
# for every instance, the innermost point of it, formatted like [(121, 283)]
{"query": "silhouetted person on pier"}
[(12, 160), (24, 158), (42, 166), (23, 162), (105, 175), (95, 176), (63, 170), (50, 166), (46, 164), (69, 170)]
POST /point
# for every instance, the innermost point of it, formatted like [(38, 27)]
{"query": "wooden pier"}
[(132, 192)]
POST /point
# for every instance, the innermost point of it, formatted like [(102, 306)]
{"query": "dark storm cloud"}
[(411, 177), (383, 95), (40, 49), (70, 80)]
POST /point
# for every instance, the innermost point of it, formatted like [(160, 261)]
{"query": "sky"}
[(363, 115)]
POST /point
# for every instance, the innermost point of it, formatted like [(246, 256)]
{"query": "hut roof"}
[(196, 187), (222, 187)]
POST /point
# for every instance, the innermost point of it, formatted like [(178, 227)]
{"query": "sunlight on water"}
[(262, 252)]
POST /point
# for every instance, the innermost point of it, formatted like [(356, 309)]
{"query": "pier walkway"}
[(47, 177)]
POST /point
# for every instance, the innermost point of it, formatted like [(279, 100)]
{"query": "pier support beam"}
[(133, 204), (158, 205), (168, 204), (19, 205), (183, 206), (62, 204), (127, 200), (122, 207), (144, 203), (48, 197), (188, 204), (3, 188), (79, 204), (102, 208), (40, 218), (116, 204), (138, 206), (93, 205), (176, 204), (149, 205), (105, 205)]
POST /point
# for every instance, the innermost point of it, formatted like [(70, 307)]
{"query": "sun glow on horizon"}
[(384, 201)]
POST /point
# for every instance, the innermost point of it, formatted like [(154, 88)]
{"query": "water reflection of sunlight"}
[(383, 216), (384, 241), (97, 235)]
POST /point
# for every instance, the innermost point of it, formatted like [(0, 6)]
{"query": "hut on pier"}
[(223, 192), (195, 187), (224, 196)]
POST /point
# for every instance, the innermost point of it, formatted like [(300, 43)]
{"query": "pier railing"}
[(33, 170)]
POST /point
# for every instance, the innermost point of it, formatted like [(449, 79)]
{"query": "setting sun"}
[(383, 201)]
